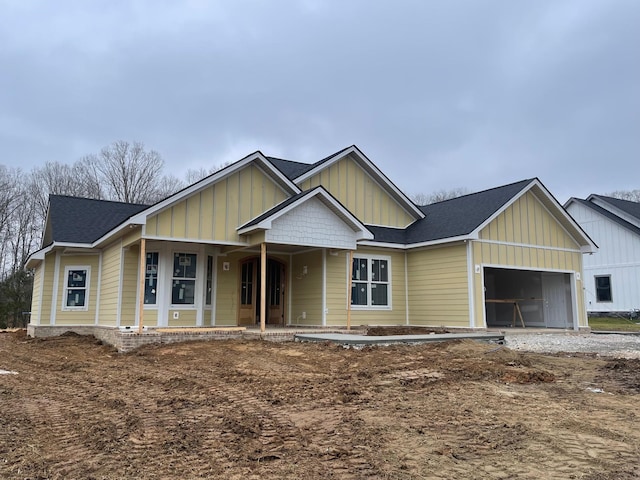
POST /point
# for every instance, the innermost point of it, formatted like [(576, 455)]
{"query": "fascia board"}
[(411, 246), (378, 175)]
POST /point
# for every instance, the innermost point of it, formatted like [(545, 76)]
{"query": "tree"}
[(439, 196), (128, 172), (15, 299), (631, 195)]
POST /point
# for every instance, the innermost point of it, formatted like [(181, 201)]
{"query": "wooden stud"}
[(143, 273), (349, 288), (263, 286)]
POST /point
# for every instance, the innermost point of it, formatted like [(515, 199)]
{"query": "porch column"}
[(349, 288), (263, 286), (143, 264)]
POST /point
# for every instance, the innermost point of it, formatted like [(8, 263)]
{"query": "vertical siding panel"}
[(206, 214), (193, 216)]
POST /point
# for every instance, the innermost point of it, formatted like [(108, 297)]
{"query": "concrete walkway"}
[(350, 339)]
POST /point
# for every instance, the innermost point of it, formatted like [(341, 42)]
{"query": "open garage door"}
[(527, 298)]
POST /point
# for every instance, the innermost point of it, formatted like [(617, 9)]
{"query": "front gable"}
[(527, 221), (363, 189), (213, 213)]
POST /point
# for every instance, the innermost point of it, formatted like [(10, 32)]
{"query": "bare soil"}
[(248, 409)]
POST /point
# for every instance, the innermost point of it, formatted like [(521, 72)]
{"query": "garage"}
[(528, 298)]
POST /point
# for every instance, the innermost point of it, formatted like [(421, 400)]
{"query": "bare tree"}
[(439, 196), (631, 195), (128, 172)]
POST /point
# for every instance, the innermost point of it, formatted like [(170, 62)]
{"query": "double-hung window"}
[(184, 279), (76, 288), (371, 282)]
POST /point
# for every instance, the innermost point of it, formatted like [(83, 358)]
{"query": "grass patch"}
[(614, 324)]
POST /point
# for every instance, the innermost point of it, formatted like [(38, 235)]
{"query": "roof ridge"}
[(527, 180)]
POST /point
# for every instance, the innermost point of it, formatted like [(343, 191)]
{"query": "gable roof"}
[(605, 213), (463, 217), (624, 206), (452, 218), (299, 172), (84, 220), (264, 221)]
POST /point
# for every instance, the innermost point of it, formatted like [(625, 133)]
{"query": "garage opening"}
[(527, 298)]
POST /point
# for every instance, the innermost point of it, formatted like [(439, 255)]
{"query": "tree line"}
[(123, 171)]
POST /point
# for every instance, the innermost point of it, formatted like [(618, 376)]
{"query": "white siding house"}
[(612, 274)]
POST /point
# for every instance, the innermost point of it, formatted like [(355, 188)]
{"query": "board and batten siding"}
[(527, 237), (110, 284), (213, 214), (438, 288), (618, 256), (37, 291), (339, 281), (360, 193), (78, 317)]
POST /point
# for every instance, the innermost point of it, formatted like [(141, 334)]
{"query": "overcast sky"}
[(438, 94)]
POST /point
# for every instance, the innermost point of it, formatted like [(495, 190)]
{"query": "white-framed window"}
[(76, 287), (183, 285), (151, 279), (371, 282), (603, 288)]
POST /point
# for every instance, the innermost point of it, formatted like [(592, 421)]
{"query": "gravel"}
[(609, 345)]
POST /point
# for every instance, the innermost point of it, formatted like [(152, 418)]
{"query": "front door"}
[(249, 309)]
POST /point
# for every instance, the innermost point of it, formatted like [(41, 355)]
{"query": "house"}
[(612, 276), (274, 242)]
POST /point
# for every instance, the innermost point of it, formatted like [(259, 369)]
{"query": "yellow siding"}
[(78, 317), (129, 295), (438, 288), (227, 290), (132, 237), (187, 318), (150, 317), (362, 195), (47, 287), (337, 291), (35, 299), (527, 222), (307, 289), (214, 213), (110, 284)]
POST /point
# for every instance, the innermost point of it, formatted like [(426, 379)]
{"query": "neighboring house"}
[(612, 276), (317, 244)]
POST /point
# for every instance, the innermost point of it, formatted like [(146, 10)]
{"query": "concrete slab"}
[(349, 339)]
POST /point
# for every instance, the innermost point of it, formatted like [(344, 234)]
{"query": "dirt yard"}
[(252, 410)]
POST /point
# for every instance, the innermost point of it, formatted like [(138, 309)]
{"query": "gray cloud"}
[(438, 94)]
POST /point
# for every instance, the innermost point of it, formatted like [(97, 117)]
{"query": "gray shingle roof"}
[(293, 170), (452, 218), (628, 207), (84, 220), (606, 213)]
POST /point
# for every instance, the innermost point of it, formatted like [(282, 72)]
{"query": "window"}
[(370, 286), (151, 279), (207, 296), (76, 288), (603, 289), (184, 279)]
